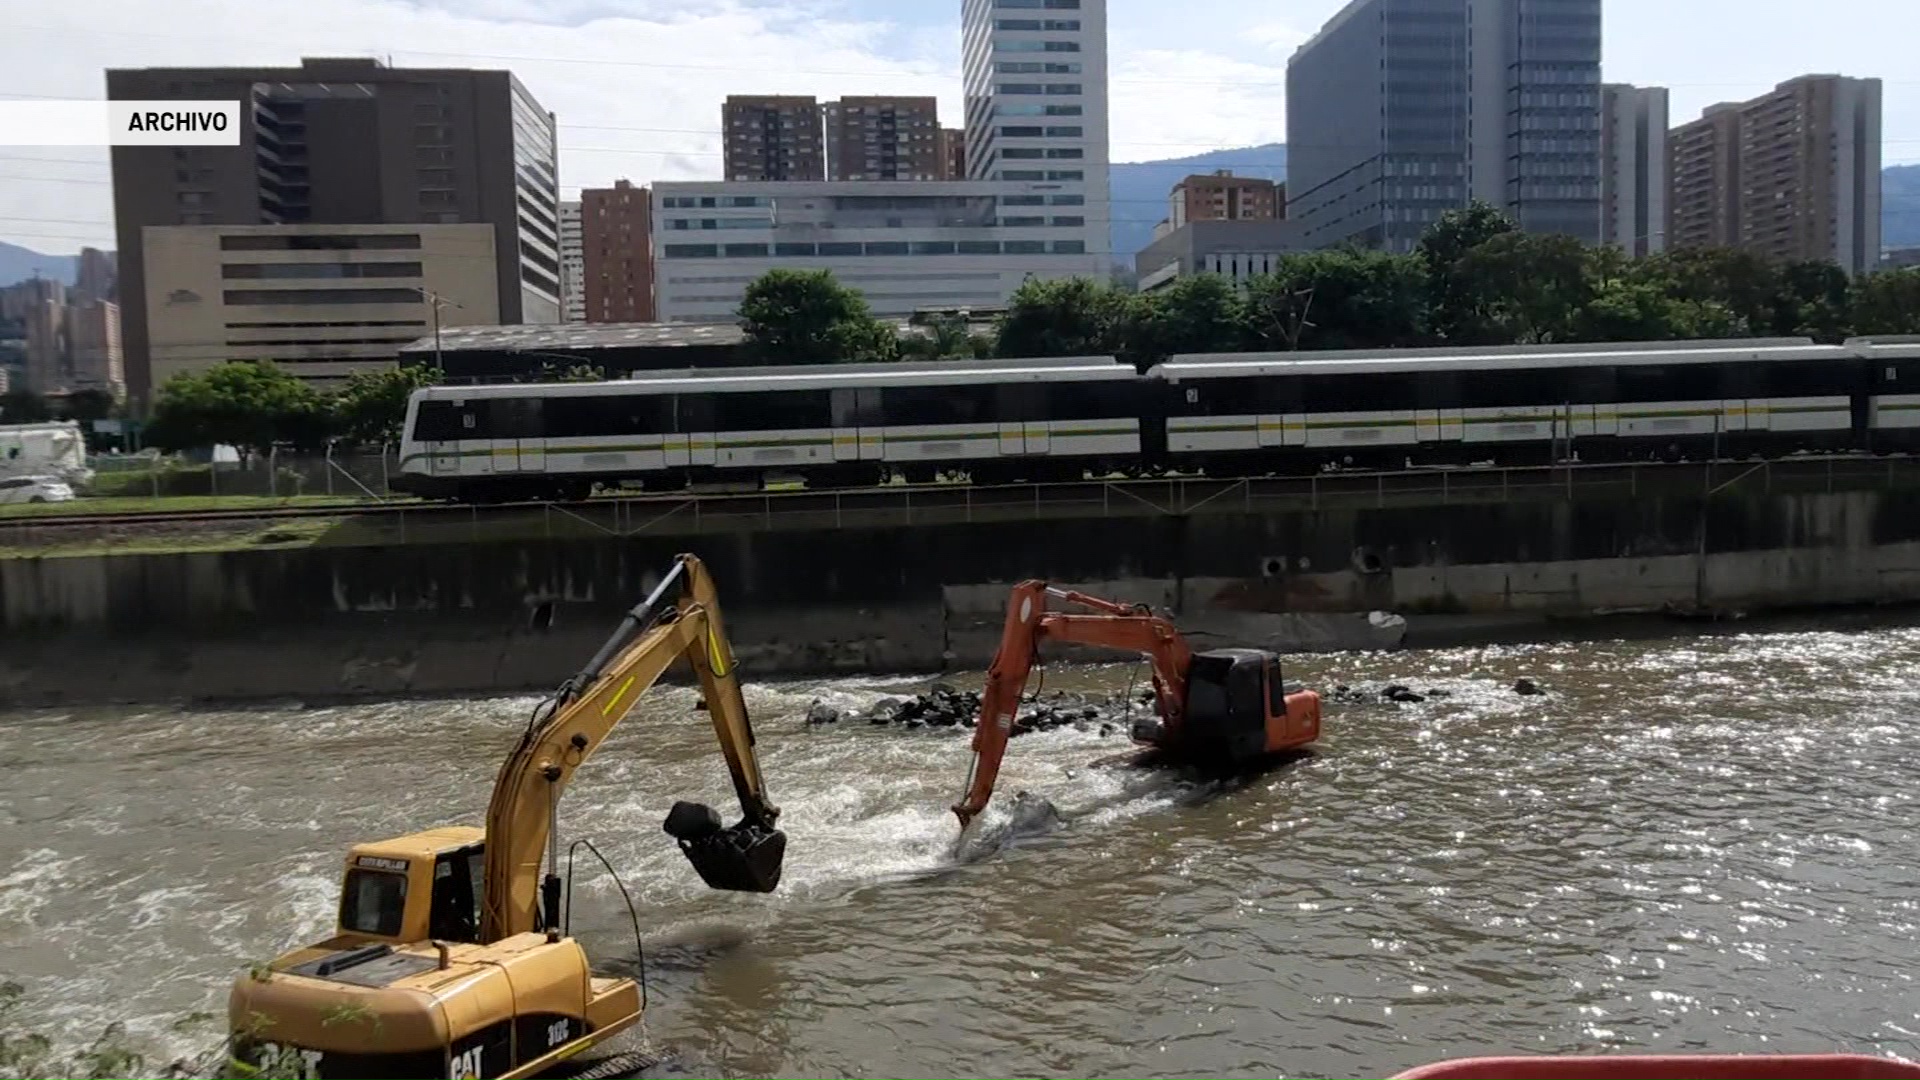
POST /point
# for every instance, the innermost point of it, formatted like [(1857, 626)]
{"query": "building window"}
[(1071, 153), (369, 242), (1021, 222), (978, 247), (1069, 247), (840, 249), (1066, 174), (285, 297), (1026, 153), (1026, 247), (1069, 200), (1023, 88), (1023, 200), (1066, 132), (1016, 24), (888, 247), (1021, 132), (436, 178), (1069, 220), (794, 251), (933, 247), (1064, 89), (1020, 174), (296, 271), (746, 251), (690, 251)]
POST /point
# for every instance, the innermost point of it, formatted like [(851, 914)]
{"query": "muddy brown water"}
[(1687, 845)]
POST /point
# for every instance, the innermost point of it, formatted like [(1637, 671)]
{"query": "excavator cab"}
[(1240, 708)]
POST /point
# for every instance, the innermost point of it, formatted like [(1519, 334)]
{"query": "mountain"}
[(19, 264), (1900, 207), (1140, 188)]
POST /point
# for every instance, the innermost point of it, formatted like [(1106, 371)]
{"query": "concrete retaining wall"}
[(461, 618)]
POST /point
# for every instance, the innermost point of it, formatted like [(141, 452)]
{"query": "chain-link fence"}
[(342, 476)]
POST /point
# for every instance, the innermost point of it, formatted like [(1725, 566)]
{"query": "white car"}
[(34, 489)]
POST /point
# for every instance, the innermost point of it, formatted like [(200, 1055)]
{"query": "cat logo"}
[(466, 1065)]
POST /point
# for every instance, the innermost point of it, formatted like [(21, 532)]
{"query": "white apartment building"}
[(903, 244), (1035, 79), (573, 265), (1633, 168)]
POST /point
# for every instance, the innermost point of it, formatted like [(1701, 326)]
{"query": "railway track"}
[(1188, 492)]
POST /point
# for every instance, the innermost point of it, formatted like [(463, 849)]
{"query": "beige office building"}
[(1792, 174), (93, 343), (321, 301)]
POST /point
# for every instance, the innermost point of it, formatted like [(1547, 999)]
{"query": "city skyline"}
[(637, 87)]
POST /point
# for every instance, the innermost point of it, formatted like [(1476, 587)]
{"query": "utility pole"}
[(434, 300)]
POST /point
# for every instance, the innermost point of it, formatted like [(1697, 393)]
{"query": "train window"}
[(514, 418), (1092, 401), (857, 408), (693, 413), (1807, 378), (447, 421), (1357, 393), (1743, 381), (939, 404), (1436, 389), (1589, 385), (773, 410), (1015, 403), (601, 415)]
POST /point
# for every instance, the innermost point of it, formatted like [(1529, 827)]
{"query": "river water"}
[(1688, 844)]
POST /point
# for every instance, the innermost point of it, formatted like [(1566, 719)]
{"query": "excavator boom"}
[(1232, 724), (650, 639)]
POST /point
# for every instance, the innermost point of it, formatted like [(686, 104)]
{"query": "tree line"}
[(1474, 280)]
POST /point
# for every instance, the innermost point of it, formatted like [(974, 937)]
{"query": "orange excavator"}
[(1220, 708)]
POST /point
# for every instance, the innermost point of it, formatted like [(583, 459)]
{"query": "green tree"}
[(372, 407), (250, 406), (1456, 307), (1198, 313), (1339, 299), (1064, 317), (1746, 284), (945, 337), (1814, 300), (1628, 309), (1887, 302), (806, 317), (553, 372), (1528, 288)]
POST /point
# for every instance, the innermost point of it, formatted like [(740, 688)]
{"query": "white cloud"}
[(1171, 103)]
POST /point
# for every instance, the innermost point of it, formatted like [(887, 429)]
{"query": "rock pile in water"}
[(942, 706), (1406, 695)]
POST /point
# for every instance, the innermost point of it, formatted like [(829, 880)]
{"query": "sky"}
[(637, 84)]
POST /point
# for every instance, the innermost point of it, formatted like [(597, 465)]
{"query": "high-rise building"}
[(47, 347), (1035, 79), (1633, 172), (1400, 110), (1792, 174), (94, 277), (1703, 169), (772, 137), (883, 138), (616, 228), (953, 152), (346, 142), (573, 265), (93, 343), (1222, 196)]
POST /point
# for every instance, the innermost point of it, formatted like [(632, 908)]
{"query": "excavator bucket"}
[(744, 858)]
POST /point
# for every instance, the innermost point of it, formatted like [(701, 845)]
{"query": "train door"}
[(441, 427), (518, 441), (1016, 417), (857, 425), (695, 421)]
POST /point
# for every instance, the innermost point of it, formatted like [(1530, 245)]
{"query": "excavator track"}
[(626, 1065)]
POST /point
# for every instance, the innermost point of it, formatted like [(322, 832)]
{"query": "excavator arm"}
[(1028, 624), (559, 740)]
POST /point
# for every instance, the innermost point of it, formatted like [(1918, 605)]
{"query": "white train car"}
[(1893, 376), (1515, 404), (830, 425)]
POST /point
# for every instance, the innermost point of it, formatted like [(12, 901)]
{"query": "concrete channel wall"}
[(522, 615)]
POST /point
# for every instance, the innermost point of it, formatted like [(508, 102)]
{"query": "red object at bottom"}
[(1668, 1067)]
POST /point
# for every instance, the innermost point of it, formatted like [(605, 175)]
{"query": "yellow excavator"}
[(452, 956)]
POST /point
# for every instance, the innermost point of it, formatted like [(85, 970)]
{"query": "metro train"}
[(1230, 414)]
